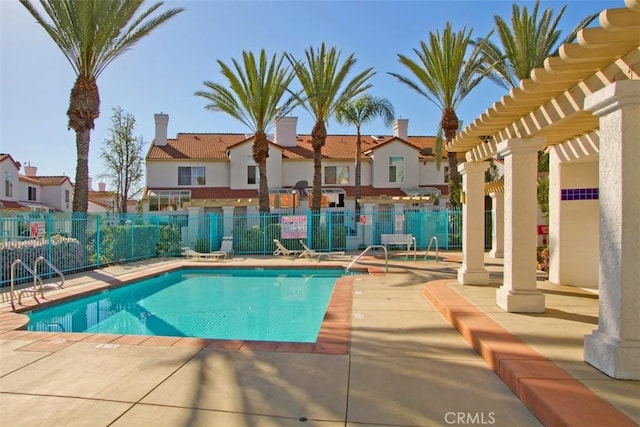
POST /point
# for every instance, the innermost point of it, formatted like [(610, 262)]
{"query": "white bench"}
[(398, 239)]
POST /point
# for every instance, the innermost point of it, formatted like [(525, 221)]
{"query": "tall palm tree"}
[(326, 88), (445, 74), (357, 112), (525, 43), (91, 34), (255, 88)]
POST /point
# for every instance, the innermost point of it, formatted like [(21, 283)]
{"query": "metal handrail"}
[(386, 261), (429, 248), (36, 279), (58, 272)]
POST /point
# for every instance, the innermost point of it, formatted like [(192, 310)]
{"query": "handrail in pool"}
[(429, 247), (386, 261), (33, 289), (58, 272)]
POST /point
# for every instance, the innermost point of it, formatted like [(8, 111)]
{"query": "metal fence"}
[(76, 242)]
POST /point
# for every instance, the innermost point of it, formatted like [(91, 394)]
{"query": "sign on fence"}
[(294, 227), (37, 229)]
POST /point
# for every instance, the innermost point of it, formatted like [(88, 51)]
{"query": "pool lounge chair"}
[(226, 250), (226, 246), (312, 253), (190, 253), (281, 250)]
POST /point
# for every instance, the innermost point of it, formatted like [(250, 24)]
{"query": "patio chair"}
[(312, 253), (281, 250), (226, 247), (190, 253)]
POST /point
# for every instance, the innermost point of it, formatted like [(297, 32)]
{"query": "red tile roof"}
[(46, 180), (214, 146), (5, 156)]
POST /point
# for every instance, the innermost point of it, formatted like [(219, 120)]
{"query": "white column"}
[(472, 197), (227, 222), (252, 216), (195, 214), (614, 347), (497, 226), (398, 218), (519, 293)]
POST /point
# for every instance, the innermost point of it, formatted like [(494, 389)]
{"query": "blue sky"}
[(161, 73)]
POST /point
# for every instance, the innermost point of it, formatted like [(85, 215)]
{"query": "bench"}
[(398, 239)]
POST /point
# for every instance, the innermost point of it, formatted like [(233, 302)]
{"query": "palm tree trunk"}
[(260, 154), (318, 137), (358, 169), (84, 108), (450, 125), (81, 190)]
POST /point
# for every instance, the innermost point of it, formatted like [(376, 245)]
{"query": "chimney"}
[(90, 184), (30, 170), (162, 123), (400, 127), (285, 133), (102, 187)]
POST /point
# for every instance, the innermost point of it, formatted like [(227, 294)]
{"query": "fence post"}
[(330, 233), (98, 222), (49, 235)]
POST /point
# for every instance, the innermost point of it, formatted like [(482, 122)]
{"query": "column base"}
[(493, 253), (473, 277), (520, 301), (618, 359)]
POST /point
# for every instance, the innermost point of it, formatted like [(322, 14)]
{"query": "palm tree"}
[(252, 96), (324, 83), (358, 112), (445, 74), (525, 43), (91, 34)]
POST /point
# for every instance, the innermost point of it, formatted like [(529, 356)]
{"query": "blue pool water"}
[(246, 304)]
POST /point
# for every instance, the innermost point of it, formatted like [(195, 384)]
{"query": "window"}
[(31, 194), (8, 188), (396, 169), (168, 200), (252, 174), (336, 175), (66, 197), (191, 175)]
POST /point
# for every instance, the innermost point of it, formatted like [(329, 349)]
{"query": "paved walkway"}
[(407, 365)]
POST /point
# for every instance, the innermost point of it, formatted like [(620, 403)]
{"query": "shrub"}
[(543, 258)]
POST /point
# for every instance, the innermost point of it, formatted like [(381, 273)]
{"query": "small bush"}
[(543, 258)]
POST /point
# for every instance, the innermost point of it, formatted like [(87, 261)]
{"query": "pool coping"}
[(334, 336)]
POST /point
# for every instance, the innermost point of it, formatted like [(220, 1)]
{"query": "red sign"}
[(543, 229)]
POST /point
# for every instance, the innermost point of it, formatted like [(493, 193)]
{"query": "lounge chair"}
[(281, 250), (312, 253), (190, 253), (226, 246)]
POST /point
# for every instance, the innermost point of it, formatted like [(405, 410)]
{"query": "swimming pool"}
[(239, 304)]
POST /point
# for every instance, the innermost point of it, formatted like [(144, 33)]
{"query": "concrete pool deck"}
[(410, 362)]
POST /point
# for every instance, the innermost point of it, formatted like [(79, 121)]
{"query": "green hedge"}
[(66, 254)]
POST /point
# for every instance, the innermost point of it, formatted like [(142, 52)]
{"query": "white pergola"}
[(584, 107)]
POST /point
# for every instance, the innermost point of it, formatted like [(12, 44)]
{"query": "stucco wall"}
[(165, 174), (573, 224), (381, 165)]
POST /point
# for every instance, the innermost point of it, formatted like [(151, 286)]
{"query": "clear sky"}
[(161, 73)]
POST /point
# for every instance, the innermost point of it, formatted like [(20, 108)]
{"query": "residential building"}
[(215, 172), (33, 192)]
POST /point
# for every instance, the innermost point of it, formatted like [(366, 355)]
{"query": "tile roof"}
[(5, 156), (214, 146), (46, 180)]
